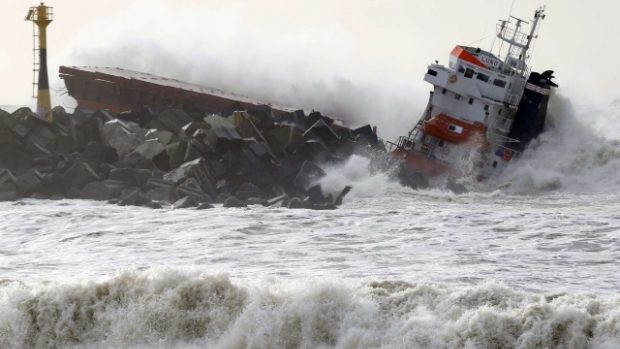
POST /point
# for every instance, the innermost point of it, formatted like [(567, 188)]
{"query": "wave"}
[(181, 309), (579, 152)]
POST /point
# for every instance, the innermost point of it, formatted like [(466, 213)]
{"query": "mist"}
[(360, 62), (313, 66)]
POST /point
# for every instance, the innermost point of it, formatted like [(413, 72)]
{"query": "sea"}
[(528, 260)]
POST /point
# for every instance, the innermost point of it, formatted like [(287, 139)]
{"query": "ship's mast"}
[(518, 42)]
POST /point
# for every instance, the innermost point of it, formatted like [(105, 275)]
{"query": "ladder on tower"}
[(36, 64)]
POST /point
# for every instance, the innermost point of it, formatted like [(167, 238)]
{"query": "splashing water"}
[(573, 155), (180, 309)]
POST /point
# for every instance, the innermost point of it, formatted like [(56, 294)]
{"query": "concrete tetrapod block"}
[(185, 202), (232, 201), (80, 174), (164, 137), (150, 149), (8, 192), (28, 182), (96, 191), (119, 136)]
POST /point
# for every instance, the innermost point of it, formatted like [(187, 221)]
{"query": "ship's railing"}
[(500, 142), (507, 33)]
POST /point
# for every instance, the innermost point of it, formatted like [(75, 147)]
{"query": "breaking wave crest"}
[(578, 153), (359, 172), (182, 309)]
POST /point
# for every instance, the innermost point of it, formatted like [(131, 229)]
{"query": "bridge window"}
[(469, 73), (461, 69), (483, 77), (499, 83), (431, 72), (471, 101)]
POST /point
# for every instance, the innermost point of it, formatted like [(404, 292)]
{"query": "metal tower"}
[(41, 17)]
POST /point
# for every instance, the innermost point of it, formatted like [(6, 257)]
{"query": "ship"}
[(118, 90), (484, 109)]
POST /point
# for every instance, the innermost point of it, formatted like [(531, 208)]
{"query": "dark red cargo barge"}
[(119, 90)]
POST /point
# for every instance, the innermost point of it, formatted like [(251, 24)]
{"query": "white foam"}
[(179, 309), (573, 155)]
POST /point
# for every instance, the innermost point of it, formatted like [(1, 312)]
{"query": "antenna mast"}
[(518, 42)]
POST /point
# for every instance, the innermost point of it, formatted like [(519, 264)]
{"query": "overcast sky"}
[(285, 50)]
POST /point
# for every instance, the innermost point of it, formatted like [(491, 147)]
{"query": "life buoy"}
[(452, 78)]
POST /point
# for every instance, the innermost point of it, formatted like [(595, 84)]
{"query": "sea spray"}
[(571, 156), (180, 309), (359, 172)]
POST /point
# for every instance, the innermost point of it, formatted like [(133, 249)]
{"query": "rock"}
[(154, 205), (343, 193), (315, 194), (221, 197), (39, 196), (176, 153), (223, 139), (282, 135), (104, 115), (73, 193), (41, 134), (248, 190), (308, 174), (122, 174), (96, 191), (44, 165), (141, 176), (366, 134), (190, 128), (204, 206), (191, 187), (191, 169), (134, 198), (306, 149), (150, 149), (7, 121), (8, 192), (295, 203), (28, 182), (159, 183), (80, 174), (320, 130), (257, 201), (246, 127), (6, 176), (234, 202), (116, 186), (215, 121), (185, 202), (120, 136), (164, 137), (162, 194), (171, 120), (278, 200)]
